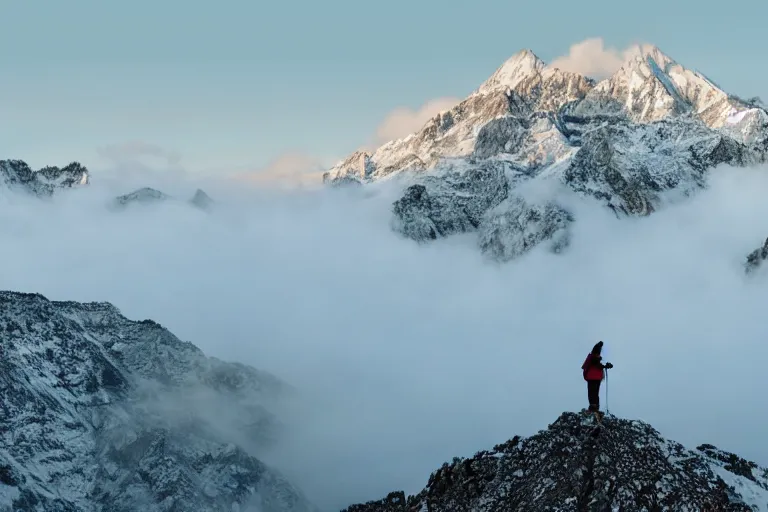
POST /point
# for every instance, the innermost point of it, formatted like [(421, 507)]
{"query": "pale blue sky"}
[(234, 84)]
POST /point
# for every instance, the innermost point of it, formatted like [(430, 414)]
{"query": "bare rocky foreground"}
[(627, 466)]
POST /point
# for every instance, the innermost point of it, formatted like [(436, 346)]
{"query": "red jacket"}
[(593, 368)]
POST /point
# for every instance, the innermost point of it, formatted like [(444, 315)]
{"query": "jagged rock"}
[(627, 466), (394, 502), (651, 86), (629, 170), (201, 200), (144, 195), (516, 227), (477, 200), (355, 167), (502, 135), (16, 175), (104, 413), (339, 181), (756, 258), (541, 87), (643, 137), (455, 203)]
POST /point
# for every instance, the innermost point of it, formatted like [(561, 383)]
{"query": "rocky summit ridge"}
[(643, 137), (572, 467), (16, 175)]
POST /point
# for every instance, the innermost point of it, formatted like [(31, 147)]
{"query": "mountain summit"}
[(651, 86), (515, 69), (628, 466), (645, 136), (17, 175)]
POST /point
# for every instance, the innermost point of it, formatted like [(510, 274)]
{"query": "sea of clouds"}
[(406, 355)]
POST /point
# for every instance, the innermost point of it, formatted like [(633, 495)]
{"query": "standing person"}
[(594, 374)]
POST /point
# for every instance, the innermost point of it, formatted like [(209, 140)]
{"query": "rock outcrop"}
[(571, 467), (756, 258), (202, 200)]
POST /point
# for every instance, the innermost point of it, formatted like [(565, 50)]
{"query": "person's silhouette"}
[(594, 373)]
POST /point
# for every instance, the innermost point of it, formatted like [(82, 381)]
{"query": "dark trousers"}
[(593, 392)]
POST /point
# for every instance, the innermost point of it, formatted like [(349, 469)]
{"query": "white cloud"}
[(297, 168), (403, 121), (408, 355), (591, 58)]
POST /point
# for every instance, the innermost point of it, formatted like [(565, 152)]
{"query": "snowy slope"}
[(645, 136), (629, 466), (104, 413)]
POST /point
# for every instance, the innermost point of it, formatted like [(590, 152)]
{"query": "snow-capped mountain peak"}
[(521, 65), (641, 89), (650, 86), (647, 133), (648, 52)]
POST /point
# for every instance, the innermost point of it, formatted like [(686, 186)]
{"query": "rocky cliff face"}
[(645, 136), (626, 465), (17, 176), (102, 413)]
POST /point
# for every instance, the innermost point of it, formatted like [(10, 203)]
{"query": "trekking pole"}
[(607, 411)]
